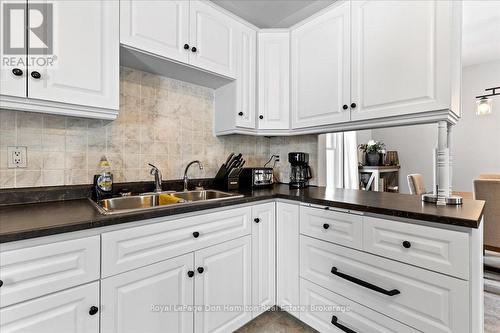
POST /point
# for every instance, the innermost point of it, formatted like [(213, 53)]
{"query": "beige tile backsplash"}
[(161, 121)]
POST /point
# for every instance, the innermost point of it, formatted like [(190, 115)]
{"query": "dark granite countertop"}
[(31, 220)]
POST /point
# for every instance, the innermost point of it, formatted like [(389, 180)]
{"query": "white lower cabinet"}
[(74, 310), (287, 260), (425, 300), (223, 286), (263, 257), (150, 299), (330, 312)]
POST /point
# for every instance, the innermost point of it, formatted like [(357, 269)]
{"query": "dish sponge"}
[(168, 199)]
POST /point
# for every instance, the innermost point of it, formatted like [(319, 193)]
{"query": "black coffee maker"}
[(300, 171)]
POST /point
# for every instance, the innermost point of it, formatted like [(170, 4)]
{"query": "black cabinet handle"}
[(17, 72), (193, 49), (353, 105), (345, 107), (261, 117), (200, 270), (406, 244), (190, 273), (335, 322), (240, 114), (326, 226), (327, 208), (365, 284), (93, 310), (1, 283), (36, 75), (196, 234), (186, 46), (256, 220)]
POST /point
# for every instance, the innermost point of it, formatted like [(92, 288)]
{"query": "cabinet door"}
[(149, 299), (287, 245), (245, 77), (274, 80), (225, 280), (67, 311), (263, 257), (10, 83), (321, 59), (86, 47), (212, 34), (400, 57), (161, 28)]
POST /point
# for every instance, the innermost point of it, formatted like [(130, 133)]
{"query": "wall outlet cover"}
[(17, 157)]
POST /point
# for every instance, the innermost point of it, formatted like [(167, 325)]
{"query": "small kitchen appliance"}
[(103, 181), (300, 171), (256, 177)]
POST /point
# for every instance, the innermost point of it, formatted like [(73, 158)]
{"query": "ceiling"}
[(481, 21), (273, 13), (481, 32)]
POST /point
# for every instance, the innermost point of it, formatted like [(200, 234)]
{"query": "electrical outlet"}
[(276, 158), (17, 157)]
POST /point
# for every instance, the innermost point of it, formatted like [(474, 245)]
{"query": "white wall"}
[(476, 140)]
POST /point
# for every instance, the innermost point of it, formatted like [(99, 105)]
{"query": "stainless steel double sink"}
[(152, 200)]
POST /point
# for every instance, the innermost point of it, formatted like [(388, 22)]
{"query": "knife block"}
[(228, 182)]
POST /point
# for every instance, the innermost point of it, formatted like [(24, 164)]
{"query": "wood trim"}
[(492, 248), (491, 269)]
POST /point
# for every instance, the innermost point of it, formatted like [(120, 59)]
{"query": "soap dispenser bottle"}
[(103, 181)]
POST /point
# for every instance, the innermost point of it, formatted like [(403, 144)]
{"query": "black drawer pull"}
[(406, 244), (196, 234), (336, 323), (365, 284), (93, 310), (326, 226)]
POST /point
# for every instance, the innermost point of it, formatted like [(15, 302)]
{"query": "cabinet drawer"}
[(322, 305), (66, 311), (337, 227), (136, 247), (443, 251), (35, 271), (422, 299)]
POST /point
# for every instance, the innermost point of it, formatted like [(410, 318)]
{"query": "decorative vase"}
[(373, 159)]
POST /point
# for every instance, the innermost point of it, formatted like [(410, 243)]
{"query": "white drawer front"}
[(443, 251), (35, 271), (427, 301), (128, 249), (322, 305), (66, 311), (337, 227)]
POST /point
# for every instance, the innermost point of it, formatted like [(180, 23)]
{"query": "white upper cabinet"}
[(245, 76), (320, 69), (274, 79), (212, 39), (73, 62), (13, 78), (86, 44), (404, 57), (158, 27)]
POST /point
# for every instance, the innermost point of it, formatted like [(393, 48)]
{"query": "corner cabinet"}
[(320, 70), (80, 76), (273, 79), (405, 57)]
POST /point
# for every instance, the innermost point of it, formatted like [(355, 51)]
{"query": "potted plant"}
[(372, 150)]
